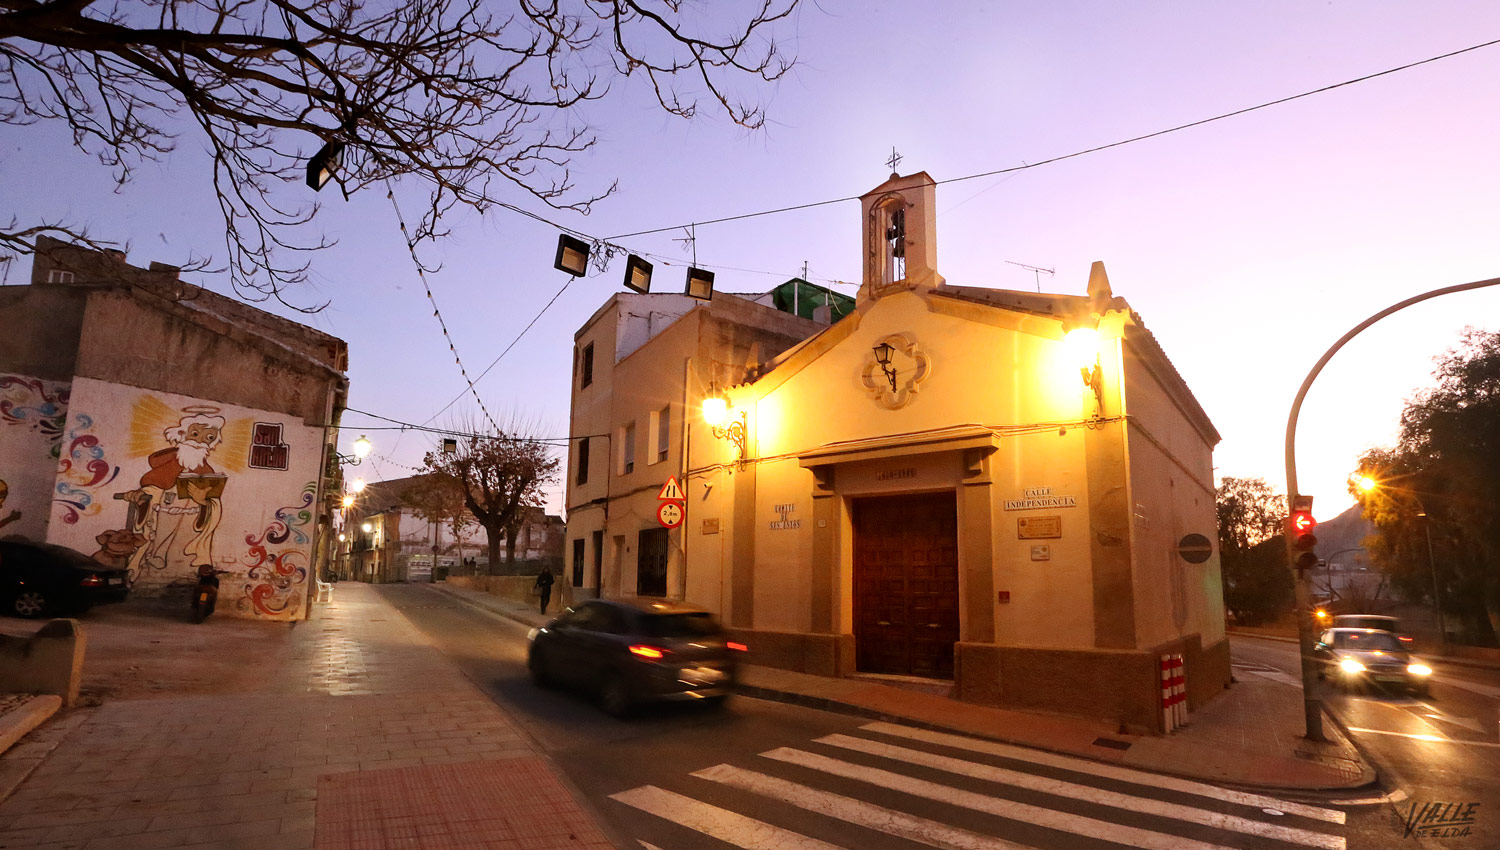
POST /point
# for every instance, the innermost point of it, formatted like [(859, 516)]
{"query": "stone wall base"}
[(1121, 687)]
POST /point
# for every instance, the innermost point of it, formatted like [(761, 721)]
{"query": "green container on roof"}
[(801, 298)]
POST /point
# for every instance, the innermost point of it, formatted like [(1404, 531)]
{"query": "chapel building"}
[(995, 488)]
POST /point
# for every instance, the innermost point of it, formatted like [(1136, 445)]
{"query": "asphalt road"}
[(766, 775), (1444, 748)]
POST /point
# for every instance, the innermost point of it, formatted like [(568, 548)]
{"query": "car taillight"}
[(651, 652), (1405, 638), (737, 647), (92, 581)]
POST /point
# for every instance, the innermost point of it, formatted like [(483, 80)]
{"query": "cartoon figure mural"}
[(173, 515)]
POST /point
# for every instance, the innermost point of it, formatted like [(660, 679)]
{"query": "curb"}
[(513, 616), (14, 724), (840, 707)]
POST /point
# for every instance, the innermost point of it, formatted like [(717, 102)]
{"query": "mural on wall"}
[(29, 402), (172, 516), (33, 414), (81, 471), (276, 578), (6, 518), (162, 484)]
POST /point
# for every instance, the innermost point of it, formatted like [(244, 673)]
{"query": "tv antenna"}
[(1037, 270)]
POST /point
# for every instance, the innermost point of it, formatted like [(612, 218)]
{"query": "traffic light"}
[(1300, 527)]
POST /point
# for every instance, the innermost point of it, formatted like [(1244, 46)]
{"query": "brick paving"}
[(356, 734)]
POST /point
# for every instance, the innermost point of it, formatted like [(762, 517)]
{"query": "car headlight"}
[(1349, 665), (1418, 669)]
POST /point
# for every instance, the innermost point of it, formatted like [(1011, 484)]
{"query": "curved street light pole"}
[(1312, 705)]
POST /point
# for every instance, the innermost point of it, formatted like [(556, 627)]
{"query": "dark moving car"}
[(630, 651), (39, 578), (1370, 656)]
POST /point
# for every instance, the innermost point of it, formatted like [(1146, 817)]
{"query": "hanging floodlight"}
[(637, 274), (700, 284), (324, 164), (572, 255)]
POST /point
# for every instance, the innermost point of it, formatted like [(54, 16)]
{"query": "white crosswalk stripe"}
[(1150, 822), (848, 809), (1106, 771), (727, 826), (1087, 793)]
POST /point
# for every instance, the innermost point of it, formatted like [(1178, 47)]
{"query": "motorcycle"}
[(205, 592)]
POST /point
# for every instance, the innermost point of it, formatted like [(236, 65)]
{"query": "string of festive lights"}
[(411, 248)]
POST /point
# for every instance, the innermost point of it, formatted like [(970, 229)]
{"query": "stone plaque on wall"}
[(1038, 527)]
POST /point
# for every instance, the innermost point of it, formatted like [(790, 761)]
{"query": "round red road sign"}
[(670, 514)]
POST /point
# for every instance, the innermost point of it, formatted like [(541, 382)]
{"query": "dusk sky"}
[(1248, 245)]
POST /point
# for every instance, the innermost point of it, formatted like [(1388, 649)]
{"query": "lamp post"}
[(1312, 704), (1437, 599), (1368, 484)]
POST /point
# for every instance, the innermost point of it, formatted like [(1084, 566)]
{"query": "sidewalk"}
[(1250, 736), (348, 731)]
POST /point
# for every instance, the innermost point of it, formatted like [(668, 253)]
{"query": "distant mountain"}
[(1348, 530)]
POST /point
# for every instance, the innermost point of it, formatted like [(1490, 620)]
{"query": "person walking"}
[(544, 587)]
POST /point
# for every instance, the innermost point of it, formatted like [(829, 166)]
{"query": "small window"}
[(627, 447), (578, 562), (59, 276), (583, 461), (586, 369), (663, 432)]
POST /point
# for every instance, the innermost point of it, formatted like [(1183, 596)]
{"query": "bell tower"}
[(899, 238)]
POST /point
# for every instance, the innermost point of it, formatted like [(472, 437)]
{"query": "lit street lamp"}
[(1368, 485)]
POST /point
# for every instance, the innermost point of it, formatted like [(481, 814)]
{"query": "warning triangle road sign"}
[(670, 491)]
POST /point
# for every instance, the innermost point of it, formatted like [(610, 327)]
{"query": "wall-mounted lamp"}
[(361, 448), (726, 422), (367, 527), (883, 354), (357, 485), (637, 274), (342, 537), (572, 255), (348, 501), (700, 284), (1083, 349)]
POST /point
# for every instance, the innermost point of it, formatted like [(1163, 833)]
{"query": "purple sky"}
[(1248, 246)]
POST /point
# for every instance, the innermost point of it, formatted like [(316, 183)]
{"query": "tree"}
[(1443, 477), (441, 90), (1252, 556), (501, 476)]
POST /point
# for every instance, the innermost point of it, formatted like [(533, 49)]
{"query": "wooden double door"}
[(906, 584)]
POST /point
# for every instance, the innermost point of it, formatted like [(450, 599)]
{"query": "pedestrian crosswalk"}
[(935, 789)]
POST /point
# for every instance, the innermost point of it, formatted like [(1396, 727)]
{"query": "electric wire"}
[(481, 198), (1096, 149)]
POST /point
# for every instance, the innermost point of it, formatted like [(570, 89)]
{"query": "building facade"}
[(162, 427), (401, 543), (952, 482)]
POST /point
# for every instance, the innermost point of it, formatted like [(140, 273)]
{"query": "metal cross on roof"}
[(894, 161)]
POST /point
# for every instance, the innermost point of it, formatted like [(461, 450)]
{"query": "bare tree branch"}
[(475, 104)]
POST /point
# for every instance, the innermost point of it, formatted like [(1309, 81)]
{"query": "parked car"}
[(39, 578), (631, 651), (1383, 622), (1370, 656)]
